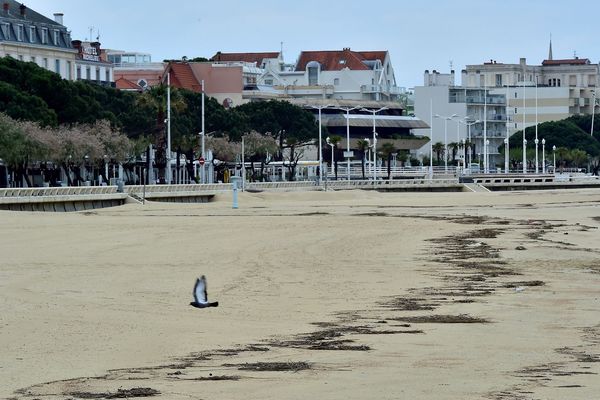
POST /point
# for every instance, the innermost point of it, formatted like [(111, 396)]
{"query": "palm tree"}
[(563, 155), (363, 146), (334, 140), (454, 147), (578, 157), (388, 149), (438, 149)]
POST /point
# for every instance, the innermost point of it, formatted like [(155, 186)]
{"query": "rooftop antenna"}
[(98, 35), (451, 65), (574, 53), (91, 29)]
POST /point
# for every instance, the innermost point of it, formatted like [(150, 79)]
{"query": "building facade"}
[(134, 70), (28, 36), (89, 64)]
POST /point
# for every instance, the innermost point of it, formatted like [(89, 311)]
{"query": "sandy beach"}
[(323, 295)]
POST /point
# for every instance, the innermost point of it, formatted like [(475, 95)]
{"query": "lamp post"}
[(320, 143), (368, 153), (446, 119), (485, 166), (330, 144), (536, 125), (203, 155), (348, 109), (463, 155), (168, 157), (430, 138), (593, 111), (506, 155), (554, 160), (543, 156), (468, 124), (374, 138)]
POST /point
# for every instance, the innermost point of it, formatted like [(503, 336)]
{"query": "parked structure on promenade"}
[(31, 37), (518, 96)]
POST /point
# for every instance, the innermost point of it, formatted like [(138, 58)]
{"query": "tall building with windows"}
[(29, 36), (90, 65)]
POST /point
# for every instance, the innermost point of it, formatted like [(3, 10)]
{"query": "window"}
[(69, 74), (515, 110), (20, 33), (32, 59), (32, 34), (342, 61), (6, 31), (44, 35), (269, 82), (57, 66), (498, 79), (88, 73), (515, 95), (107, 76), (97, 74), (559, 83), (45, 63), (336, 81), (313, 73), (55, 37), (20, 57), (78, 72)]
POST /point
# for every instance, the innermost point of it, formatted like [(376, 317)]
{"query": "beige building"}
[(29, 36)]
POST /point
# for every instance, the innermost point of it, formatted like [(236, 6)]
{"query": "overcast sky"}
[(419, 35)]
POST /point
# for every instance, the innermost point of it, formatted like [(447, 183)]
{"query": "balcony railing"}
[(380, 89)]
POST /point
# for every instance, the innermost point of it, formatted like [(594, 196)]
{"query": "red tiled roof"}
[(244, 57), (124, 84), (182, 76), (573, 61), (336, 60)]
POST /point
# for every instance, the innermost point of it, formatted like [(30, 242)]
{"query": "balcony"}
[(491, 100), (384, 89)]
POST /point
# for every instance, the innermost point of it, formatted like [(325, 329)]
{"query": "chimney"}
[(5, 7), (58, 18), (22, 9)]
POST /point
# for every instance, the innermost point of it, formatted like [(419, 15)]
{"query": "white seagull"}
[(200, 297)]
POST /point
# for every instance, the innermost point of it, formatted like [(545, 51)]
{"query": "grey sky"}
[(419, 35)]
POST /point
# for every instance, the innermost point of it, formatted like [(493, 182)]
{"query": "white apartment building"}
[(89, 64), (518, 96), (26, 35)]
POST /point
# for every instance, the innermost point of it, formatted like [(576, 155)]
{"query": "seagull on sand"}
[(200, 297)]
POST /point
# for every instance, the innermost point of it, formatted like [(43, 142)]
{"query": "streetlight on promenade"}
[(536, 125), (446, 119), (332, 145), (468, 124), (554, 160), (348, 109), (486, 156), (320, 143), (524, 155), (543, 156), (593, 111), (374, 139)]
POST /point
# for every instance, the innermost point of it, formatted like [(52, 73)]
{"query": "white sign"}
[(348, 154)]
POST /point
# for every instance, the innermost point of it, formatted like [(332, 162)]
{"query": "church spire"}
[(550, 49)]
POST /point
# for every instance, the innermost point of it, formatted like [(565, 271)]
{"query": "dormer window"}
[(44, 35), (31, 34), (313, 68), (55, 37), (20, 33), (6, 31), (342, 61)]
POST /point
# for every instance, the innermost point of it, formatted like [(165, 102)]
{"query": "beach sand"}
[(325, 295)]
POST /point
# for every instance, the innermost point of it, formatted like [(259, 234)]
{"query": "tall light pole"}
[(320, 143), (506, 140), (203, 155), (485, 166), (168, 177), (469, 124), (446, 119), (486, 156), (554, 160), (348, 109), (374, 138), (536, 125), (524, 140), (593, 111), (332, 145), (543, 156)]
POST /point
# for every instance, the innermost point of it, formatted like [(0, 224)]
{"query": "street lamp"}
[(554, 160), (536, 125), (524, 155), (203, 155), (368, 153), (320, 143), (168, 177), (332, 145), (374, 138), (468, 124), (593, 111), (446, 119), (543, 156), (348, 109)]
